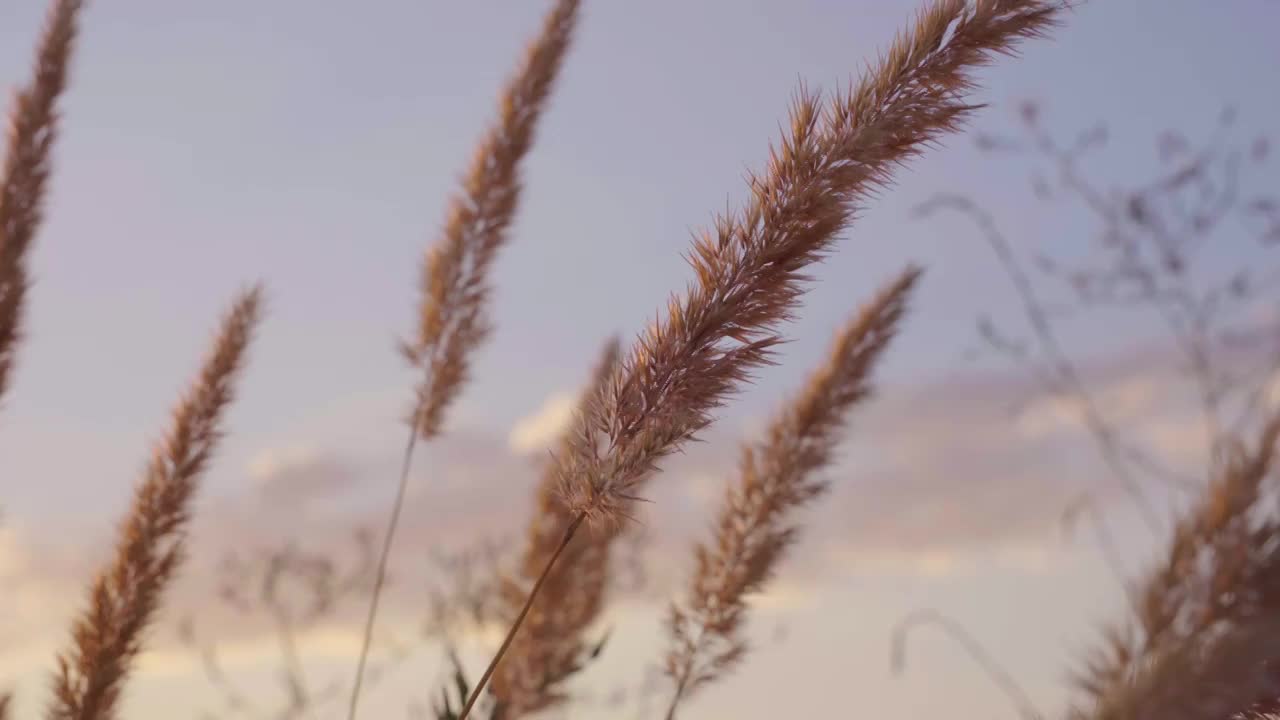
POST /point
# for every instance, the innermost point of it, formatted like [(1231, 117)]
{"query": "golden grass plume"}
[(1209, 677), (750, 273), (452, 319), (453, 311), (1220, 574), (642, 405), (753, 527), (124, 597), (33, 130)]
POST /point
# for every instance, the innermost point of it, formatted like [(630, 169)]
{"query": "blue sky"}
[(313, 146)]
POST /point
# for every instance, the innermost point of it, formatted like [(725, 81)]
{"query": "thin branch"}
[(999, 675)]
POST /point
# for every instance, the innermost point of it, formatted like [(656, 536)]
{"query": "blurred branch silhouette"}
[(1188, 246), (971, 646), (1149, 255), (293, 589)]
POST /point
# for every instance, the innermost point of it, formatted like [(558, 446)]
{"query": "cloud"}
[(961, 473), (294, 475), (1122, 400), (540, 430), (932, 480), (42, 583)]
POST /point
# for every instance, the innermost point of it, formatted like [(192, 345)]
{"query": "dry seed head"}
[(453, 311), (1216, 677), (124, 597), (1220, 570), (33, 129), (453, 314), (775, 478), (750, 271)]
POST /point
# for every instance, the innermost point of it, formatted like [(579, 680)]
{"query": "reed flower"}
[(453, 311), (1219, 577), (775, 478), (126, 594), (751, 271), (33, 130), (453, 315)]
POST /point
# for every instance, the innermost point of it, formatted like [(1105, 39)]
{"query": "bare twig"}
[(998, 674)]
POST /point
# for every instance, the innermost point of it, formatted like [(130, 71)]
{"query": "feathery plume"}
[(455, 291), (33, 129), (1221, 571), (751, 271), (125, 596), (453, 316), (551, 643), (775, 478), (1201, 678)]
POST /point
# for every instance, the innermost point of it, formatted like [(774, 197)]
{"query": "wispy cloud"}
[(540, 430), (295, 475), (981, 478)]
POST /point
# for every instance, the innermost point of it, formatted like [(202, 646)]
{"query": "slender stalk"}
[(381, 576), (676, 697), (294, 678), (682, 683), (549, 650), (515, 626)]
